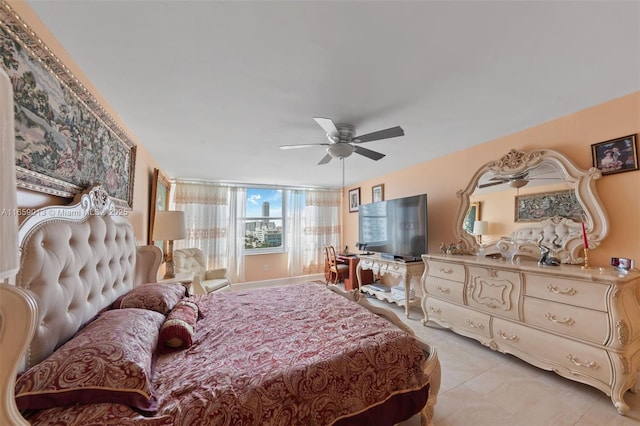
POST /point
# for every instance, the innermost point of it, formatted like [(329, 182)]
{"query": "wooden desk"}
[(351, 282)]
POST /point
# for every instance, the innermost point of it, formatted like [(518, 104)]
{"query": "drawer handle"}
[(446, 271), (476, 324), (565, 321), (589, 364), (443, 290), (566, 291), (435, 310), (513, 337)]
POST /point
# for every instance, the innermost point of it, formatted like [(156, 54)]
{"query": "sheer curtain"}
[(313, 221), (211, 220)]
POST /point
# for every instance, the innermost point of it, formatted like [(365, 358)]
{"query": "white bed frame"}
[(91, 242)]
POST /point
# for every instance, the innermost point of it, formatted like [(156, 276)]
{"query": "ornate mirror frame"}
[(516, 162)]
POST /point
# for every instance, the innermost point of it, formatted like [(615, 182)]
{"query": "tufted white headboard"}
[(561, 235), (74, 261)]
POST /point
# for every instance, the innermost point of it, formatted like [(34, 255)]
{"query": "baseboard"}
[(276, 282)]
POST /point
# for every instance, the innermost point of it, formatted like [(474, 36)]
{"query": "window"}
[(264, 224)]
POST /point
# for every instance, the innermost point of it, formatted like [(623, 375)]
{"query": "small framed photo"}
[(622, 263), (377, 193), (354, 200), (616, 155), (473, 214)]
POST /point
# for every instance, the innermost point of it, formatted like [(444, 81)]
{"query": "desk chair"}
[(334, 271)]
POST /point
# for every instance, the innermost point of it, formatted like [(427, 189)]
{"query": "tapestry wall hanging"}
[(537, 207), (65, 139)]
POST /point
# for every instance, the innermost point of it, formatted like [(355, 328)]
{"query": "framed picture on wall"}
[(354, 200), (377, 193), (160, 191), (537, 207), (616, 155), (66, 139), (473, 214)]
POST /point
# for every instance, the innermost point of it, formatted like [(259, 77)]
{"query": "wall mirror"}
[(531, 199)]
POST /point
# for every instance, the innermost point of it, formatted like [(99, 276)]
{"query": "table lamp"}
[(480, 228), (168, 226)]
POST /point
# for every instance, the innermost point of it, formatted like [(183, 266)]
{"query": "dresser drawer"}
[(445, 289), (457, 317), (578, 293), (449, 271), (580, 359), (372, 264), (495, 291), (570, 320)]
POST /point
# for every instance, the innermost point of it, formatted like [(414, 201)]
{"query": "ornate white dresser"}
[(582, 324), (526, 292)]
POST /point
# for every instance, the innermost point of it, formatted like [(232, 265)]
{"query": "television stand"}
[(396, 268)]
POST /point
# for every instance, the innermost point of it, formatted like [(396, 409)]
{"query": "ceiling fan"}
[(343, 141), (514, 181)]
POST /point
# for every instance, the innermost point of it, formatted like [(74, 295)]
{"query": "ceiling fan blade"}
[(486, 185), (303, 145), (368, 153), (328, 126), (542, 178), (325, 159), (392, 132)]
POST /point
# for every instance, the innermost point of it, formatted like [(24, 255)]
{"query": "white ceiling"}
[(212, 88)]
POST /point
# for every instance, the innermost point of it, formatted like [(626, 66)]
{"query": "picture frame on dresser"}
[(616, 155)]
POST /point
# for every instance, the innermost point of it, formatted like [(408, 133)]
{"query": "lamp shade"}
[(169, 225), (8, 204), (480, 227)]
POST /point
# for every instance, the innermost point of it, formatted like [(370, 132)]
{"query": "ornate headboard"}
[(74, 261), (561, 235)]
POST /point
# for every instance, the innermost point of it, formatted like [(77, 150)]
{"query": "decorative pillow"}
[(177, 331), (107, 361), (159, 297)]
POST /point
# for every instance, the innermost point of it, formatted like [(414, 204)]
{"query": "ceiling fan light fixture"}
[(340, 150), (518, 183)]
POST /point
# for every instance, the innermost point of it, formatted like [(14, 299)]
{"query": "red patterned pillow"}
[(159, 297), (177, 331), (107, 361)]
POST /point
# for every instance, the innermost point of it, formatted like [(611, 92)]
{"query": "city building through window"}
[(264, 224)]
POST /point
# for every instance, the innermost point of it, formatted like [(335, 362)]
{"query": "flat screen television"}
[(394, 228)]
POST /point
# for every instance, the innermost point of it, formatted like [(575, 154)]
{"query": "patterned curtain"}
[(313, 222), (210, 214)]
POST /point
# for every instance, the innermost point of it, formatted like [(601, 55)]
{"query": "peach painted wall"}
[(145, 164), (571, 135), (260, 267)]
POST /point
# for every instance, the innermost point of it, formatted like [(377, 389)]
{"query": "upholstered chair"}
[(191, 263), (148, 260)]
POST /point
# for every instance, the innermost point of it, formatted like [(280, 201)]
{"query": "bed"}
[(87, 341)]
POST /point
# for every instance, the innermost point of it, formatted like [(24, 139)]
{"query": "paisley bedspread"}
[(292, 355)]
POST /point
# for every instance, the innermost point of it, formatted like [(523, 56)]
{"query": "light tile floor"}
[(483, 387)]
